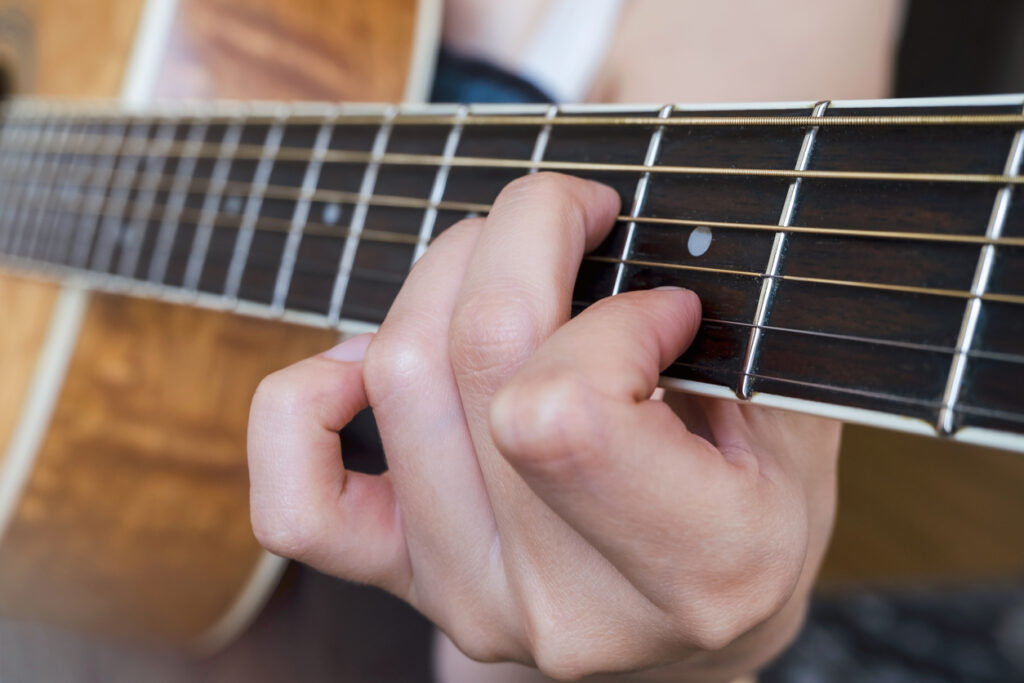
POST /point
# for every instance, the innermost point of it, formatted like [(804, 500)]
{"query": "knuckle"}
[(391, 362), (280, 394), (556, 650), (478, 638), (756, 586), (544, 421), (713, 629), (283, 530), (488, 335)]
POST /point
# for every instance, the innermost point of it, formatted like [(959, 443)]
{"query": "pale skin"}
[(540, 506)]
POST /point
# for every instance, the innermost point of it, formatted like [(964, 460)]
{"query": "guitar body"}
[(123, 485), (124, 490)]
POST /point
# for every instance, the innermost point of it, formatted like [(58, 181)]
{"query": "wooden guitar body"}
[(123, 485), (124, 491)]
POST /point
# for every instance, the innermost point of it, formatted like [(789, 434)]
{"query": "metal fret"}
[(451, 144), (251, 213), (8, 139), (979, 286), (42, 225), (638, 197), (211, 204), (152, 174), (543, 135), (96, 199), (176, 202), (66, 189), (348, 254), (769, 282), (300, 214), (22, 209), (74, 201), (117, 202)]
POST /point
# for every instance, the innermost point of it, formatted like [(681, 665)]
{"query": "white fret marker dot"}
[(233, 204), (331, 213), (699, 241)]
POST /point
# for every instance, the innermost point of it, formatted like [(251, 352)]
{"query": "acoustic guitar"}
[(862, 260)]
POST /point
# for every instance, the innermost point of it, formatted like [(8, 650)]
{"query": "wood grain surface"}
[(917, 510), (26, 305), (284, 50), (135, 518)]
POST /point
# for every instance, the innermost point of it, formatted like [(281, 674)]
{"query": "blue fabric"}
[(464, 79)]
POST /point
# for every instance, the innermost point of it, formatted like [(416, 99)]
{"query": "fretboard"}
[(865, 255)]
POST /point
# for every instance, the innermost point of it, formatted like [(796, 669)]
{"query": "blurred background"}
[(925, 577)]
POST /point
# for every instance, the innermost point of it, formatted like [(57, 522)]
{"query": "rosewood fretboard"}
[(866, 255)]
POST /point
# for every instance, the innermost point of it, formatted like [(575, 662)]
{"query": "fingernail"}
[(668, 288), (351, 349)]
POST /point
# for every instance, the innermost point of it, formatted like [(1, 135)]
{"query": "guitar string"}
[(373, 235), (970, 409), (390, 236), (965, 408), (253, 152), (30, 111), (197, 185)]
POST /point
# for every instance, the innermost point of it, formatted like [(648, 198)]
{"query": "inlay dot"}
[(699, 241), (331, 213), (233, 204)]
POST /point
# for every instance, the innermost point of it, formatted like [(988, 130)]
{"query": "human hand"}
[(539, 505)]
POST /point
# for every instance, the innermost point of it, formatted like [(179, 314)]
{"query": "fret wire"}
[(70, 191), (95, 201), (348, 253), (73, 190), (41, 228), (979, 286), (768, 284), (540, 146), (211, 204), (9, 210), (113, 224), (639, 197), (175, 204), (135, 233), (255, 192), (8, 135), (310, 180), (55, 168), (451, 144), (21, 213), (62, 185), (410, 159)]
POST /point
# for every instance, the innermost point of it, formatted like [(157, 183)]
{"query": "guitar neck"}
[(863, 260)]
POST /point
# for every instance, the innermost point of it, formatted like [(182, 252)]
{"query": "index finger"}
[(518, 287)]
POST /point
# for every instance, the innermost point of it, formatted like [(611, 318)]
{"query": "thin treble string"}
[(384, 236), (27, 111), (211, 150), (974, 353), (876, 395), (198, 185)]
